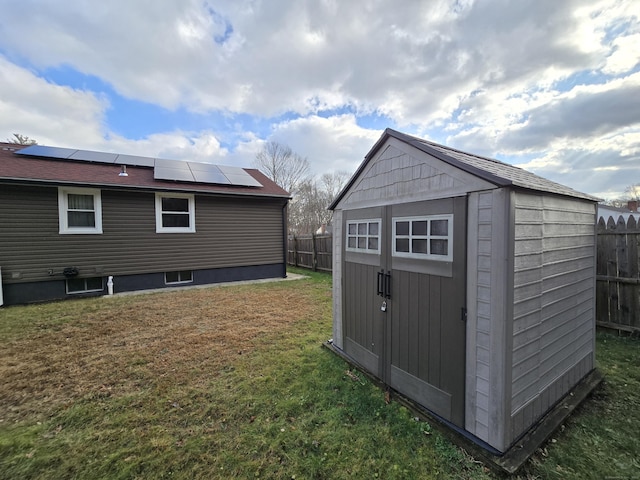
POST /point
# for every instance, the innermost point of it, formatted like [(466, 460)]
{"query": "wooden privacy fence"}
[(618, 275), (311, 251)]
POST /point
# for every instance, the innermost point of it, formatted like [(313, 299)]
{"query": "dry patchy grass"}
[(112, 346)]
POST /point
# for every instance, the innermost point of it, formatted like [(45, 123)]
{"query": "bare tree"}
[(333, 182), (282, 165), (633, 192), (19, 139), (309, 209)]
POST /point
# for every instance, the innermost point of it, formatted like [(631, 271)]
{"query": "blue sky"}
[(551, 86)]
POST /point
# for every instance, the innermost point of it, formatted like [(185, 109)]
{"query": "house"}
[(77, 222), (611, 215), (465, 284)]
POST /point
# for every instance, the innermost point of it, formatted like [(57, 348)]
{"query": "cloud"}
[(46, 112), (332, 144), (413, 64)]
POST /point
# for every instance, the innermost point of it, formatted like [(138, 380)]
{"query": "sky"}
[(550, 86)]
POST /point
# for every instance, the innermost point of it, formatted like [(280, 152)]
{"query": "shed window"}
[(84, 285), (429, 237), (183, 276), (175, 213), (363, 236), (79, 210)]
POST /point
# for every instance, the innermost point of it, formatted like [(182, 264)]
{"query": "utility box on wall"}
[(466, 284)]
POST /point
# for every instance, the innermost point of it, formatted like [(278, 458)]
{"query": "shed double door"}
[(404, 299)]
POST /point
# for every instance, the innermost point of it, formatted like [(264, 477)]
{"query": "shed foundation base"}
[(515, 457)]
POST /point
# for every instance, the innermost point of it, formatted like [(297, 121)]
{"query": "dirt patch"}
[(128, 343)]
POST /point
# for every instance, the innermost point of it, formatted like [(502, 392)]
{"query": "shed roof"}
[(494, 171), (58, 171)]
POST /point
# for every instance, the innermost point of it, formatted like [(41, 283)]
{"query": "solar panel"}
[(90, 156), (44, 151), (174, 174), (135, 161), (245, 180), (164, 169), (204, 167), (210, 177), (239, 176)]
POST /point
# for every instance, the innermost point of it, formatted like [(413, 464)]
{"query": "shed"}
[(465, 284)]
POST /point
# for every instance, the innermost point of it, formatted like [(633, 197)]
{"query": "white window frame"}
[(367, 236), (86, 290), (179, 281), (63, 209), (192, 213), (428, 237)]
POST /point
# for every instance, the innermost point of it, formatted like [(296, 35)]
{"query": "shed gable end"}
[(399, 173)]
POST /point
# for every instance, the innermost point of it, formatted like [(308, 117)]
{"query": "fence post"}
[(314, 252), (295, 250)]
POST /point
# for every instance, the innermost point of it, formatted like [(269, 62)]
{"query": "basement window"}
[(183, 276), (79, 210), (429, 237), (363, 236), (84, 285), (175, 213)]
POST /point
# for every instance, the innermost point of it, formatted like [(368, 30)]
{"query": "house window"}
[(79, 210), (175, 213), (84, 285), (183, 276), (363, 236), (424, 237)]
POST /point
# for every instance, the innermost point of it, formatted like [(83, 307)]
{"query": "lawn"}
[(232, 382)]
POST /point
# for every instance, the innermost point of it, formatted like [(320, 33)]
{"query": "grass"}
[(601, 440), (232, 382)]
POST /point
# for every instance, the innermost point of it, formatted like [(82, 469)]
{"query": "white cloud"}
[(625, 56), (330, 144), (31, 106)]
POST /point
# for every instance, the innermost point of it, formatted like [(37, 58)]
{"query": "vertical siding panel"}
[(416, 319), (337, 280), (434, 331), (424, 339)]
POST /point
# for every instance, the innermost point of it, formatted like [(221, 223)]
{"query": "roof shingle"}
[(61, 171)]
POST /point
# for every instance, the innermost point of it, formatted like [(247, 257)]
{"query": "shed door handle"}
[(381, 283), (387, 285)]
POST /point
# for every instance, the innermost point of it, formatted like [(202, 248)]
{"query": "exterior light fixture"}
[(123, 172)]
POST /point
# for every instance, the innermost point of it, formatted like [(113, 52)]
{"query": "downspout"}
[(284, 239)]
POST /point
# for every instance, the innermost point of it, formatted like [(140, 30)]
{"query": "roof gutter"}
[(139, 188)]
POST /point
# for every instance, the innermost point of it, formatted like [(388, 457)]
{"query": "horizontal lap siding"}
[(553, 294), (229, 232)]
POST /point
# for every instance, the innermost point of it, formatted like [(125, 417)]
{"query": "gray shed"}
[(465, 284)]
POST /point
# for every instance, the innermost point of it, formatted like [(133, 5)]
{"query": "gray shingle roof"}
[(494, 171)]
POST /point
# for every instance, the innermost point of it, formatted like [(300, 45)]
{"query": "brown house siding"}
[(230, 232)]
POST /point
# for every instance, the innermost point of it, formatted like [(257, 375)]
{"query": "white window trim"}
[(192, 213), (367, 221), (63, 205), (428, 237)]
